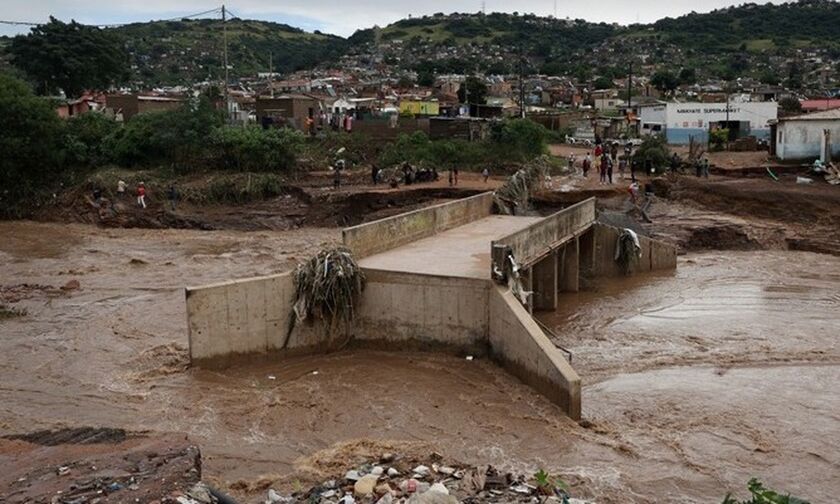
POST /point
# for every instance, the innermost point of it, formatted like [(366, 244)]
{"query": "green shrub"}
[(176, 136), (85, 138), (254, 148), (523, 139), (653, 153), (31, 145), (718, 139)]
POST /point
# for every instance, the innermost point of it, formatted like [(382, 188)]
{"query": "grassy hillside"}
[(186, 51)]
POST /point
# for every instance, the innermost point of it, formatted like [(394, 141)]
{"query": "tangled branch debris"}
[(627, 250), (515, 194), (328, 287)]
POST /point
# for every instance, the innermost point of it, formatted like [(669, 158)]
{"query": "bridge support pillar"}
[(570, 267), (544, 283)]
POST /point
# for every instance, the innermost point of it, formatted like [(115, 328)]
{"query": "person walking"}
[(173, 196), (121, 189), (706, 167), (587, 164), (602, 169), (675, 163), (485, 173), (609, 170), (455, 171), (141, 195), (622, 167)]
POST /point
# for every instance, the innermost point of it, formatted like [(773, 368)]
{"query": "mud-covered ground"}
[(693, 382)]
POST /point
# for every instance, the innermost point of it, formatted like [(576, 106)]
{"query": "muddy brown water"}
[(693, 382)]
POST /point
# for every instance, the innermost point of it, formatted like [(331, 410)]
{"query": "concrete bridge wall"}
[(247, 316), (378, 236), (656, 255), (522, 348), (402, 310)]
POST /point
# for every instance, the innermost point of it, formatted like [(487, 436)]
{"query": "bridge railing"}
[(536, 241)]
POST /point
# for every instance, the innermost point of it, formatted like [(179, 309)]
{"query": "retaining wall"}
[(378, 236), (656, 255), (403, 310), (522, 348), (246, 316)]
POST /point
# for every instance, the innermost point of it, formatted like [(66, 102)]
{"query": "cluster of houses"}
[(387, 107)]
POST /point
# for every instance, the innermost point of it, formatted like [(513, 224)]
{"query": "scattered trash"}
[(393, 472), (804, 180), (469, 357), (63, 470), (272, 377)]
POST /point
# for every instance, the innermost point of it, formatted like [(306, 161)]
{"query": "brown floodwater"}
[(693, 382)]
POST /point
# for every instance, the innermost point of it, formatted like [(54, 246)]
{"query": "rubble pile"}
[(393, 479)]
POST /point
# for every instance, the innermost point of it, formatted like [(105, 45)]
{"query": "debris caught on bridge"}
[(328, 287), (514, 196), (627, 250)]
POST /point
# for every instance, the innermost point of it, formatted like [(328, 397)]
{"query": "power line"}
[(217, 10)]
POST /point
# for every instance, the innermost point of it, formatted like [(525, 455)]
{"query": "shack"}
[(129, 105), (807, 137), (287, 110)]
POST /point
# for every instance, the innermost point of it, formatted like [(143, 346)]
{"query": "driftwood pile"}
[(328, 287)]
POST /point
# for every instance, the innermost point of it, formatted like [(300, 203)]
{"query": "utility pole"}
[(727, 116), (629, 86), (521, 82), (227, 75), (271, 72)]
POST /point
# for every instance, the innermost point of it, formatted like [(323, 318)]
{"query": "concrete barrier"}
[(531, 244), (378, 236), (522, 348), (405, 310), (247, 316)]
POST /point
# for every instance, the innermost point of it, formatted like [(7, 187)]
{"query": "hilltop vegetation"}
[(748, 40)]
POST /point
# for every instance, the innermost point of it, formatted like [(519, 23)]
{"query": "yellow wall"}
[(420, 108)]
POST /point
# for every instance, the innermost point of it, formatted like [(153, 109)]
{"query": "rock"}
[(408, 486), (438, 487), (347, 499), (353, 476), (449, 471), (330, 484), (329, 494), (276, 498), (364, 487), (71, 285), (382, 489), (201, 493), (377, 471), (523, 489), (392, 472), (421, 470), (432, 498), (386, 457), (386, 499)]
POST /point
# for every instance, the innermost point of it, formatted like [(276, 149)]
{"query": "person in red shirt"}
[(141, 195)]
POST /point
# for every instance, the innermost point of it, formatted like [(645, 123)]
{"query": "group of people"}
[(336, 122), (172, 195), (605, 159)]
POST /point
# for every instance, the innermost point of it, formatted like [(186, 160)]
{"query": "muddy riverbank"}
[(693, 383)]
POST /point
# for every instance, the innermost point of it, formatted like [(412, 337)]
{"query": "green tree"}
[(688, 76), (477, 91), (665, 81), (70, 57), (30, 143), (603, 83), (790, 106), (426, 78)]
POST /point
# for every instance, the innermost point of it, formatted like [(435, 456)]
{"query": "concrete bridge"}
[(452, 277)]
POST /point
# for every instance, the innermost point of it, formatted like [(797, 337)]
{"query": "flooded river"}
[(693, 382)]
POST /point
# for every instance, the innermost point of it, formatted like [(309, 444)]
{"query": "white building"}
[(807, 136), (681, 121)]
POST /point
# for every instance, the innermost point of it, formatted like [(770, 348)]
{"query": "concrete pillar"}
[(586, 251), (570, 267), (545, 283)]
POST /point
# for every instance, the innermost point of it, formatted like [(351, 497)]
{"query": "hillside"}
[(749, 40), (180, 52)]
